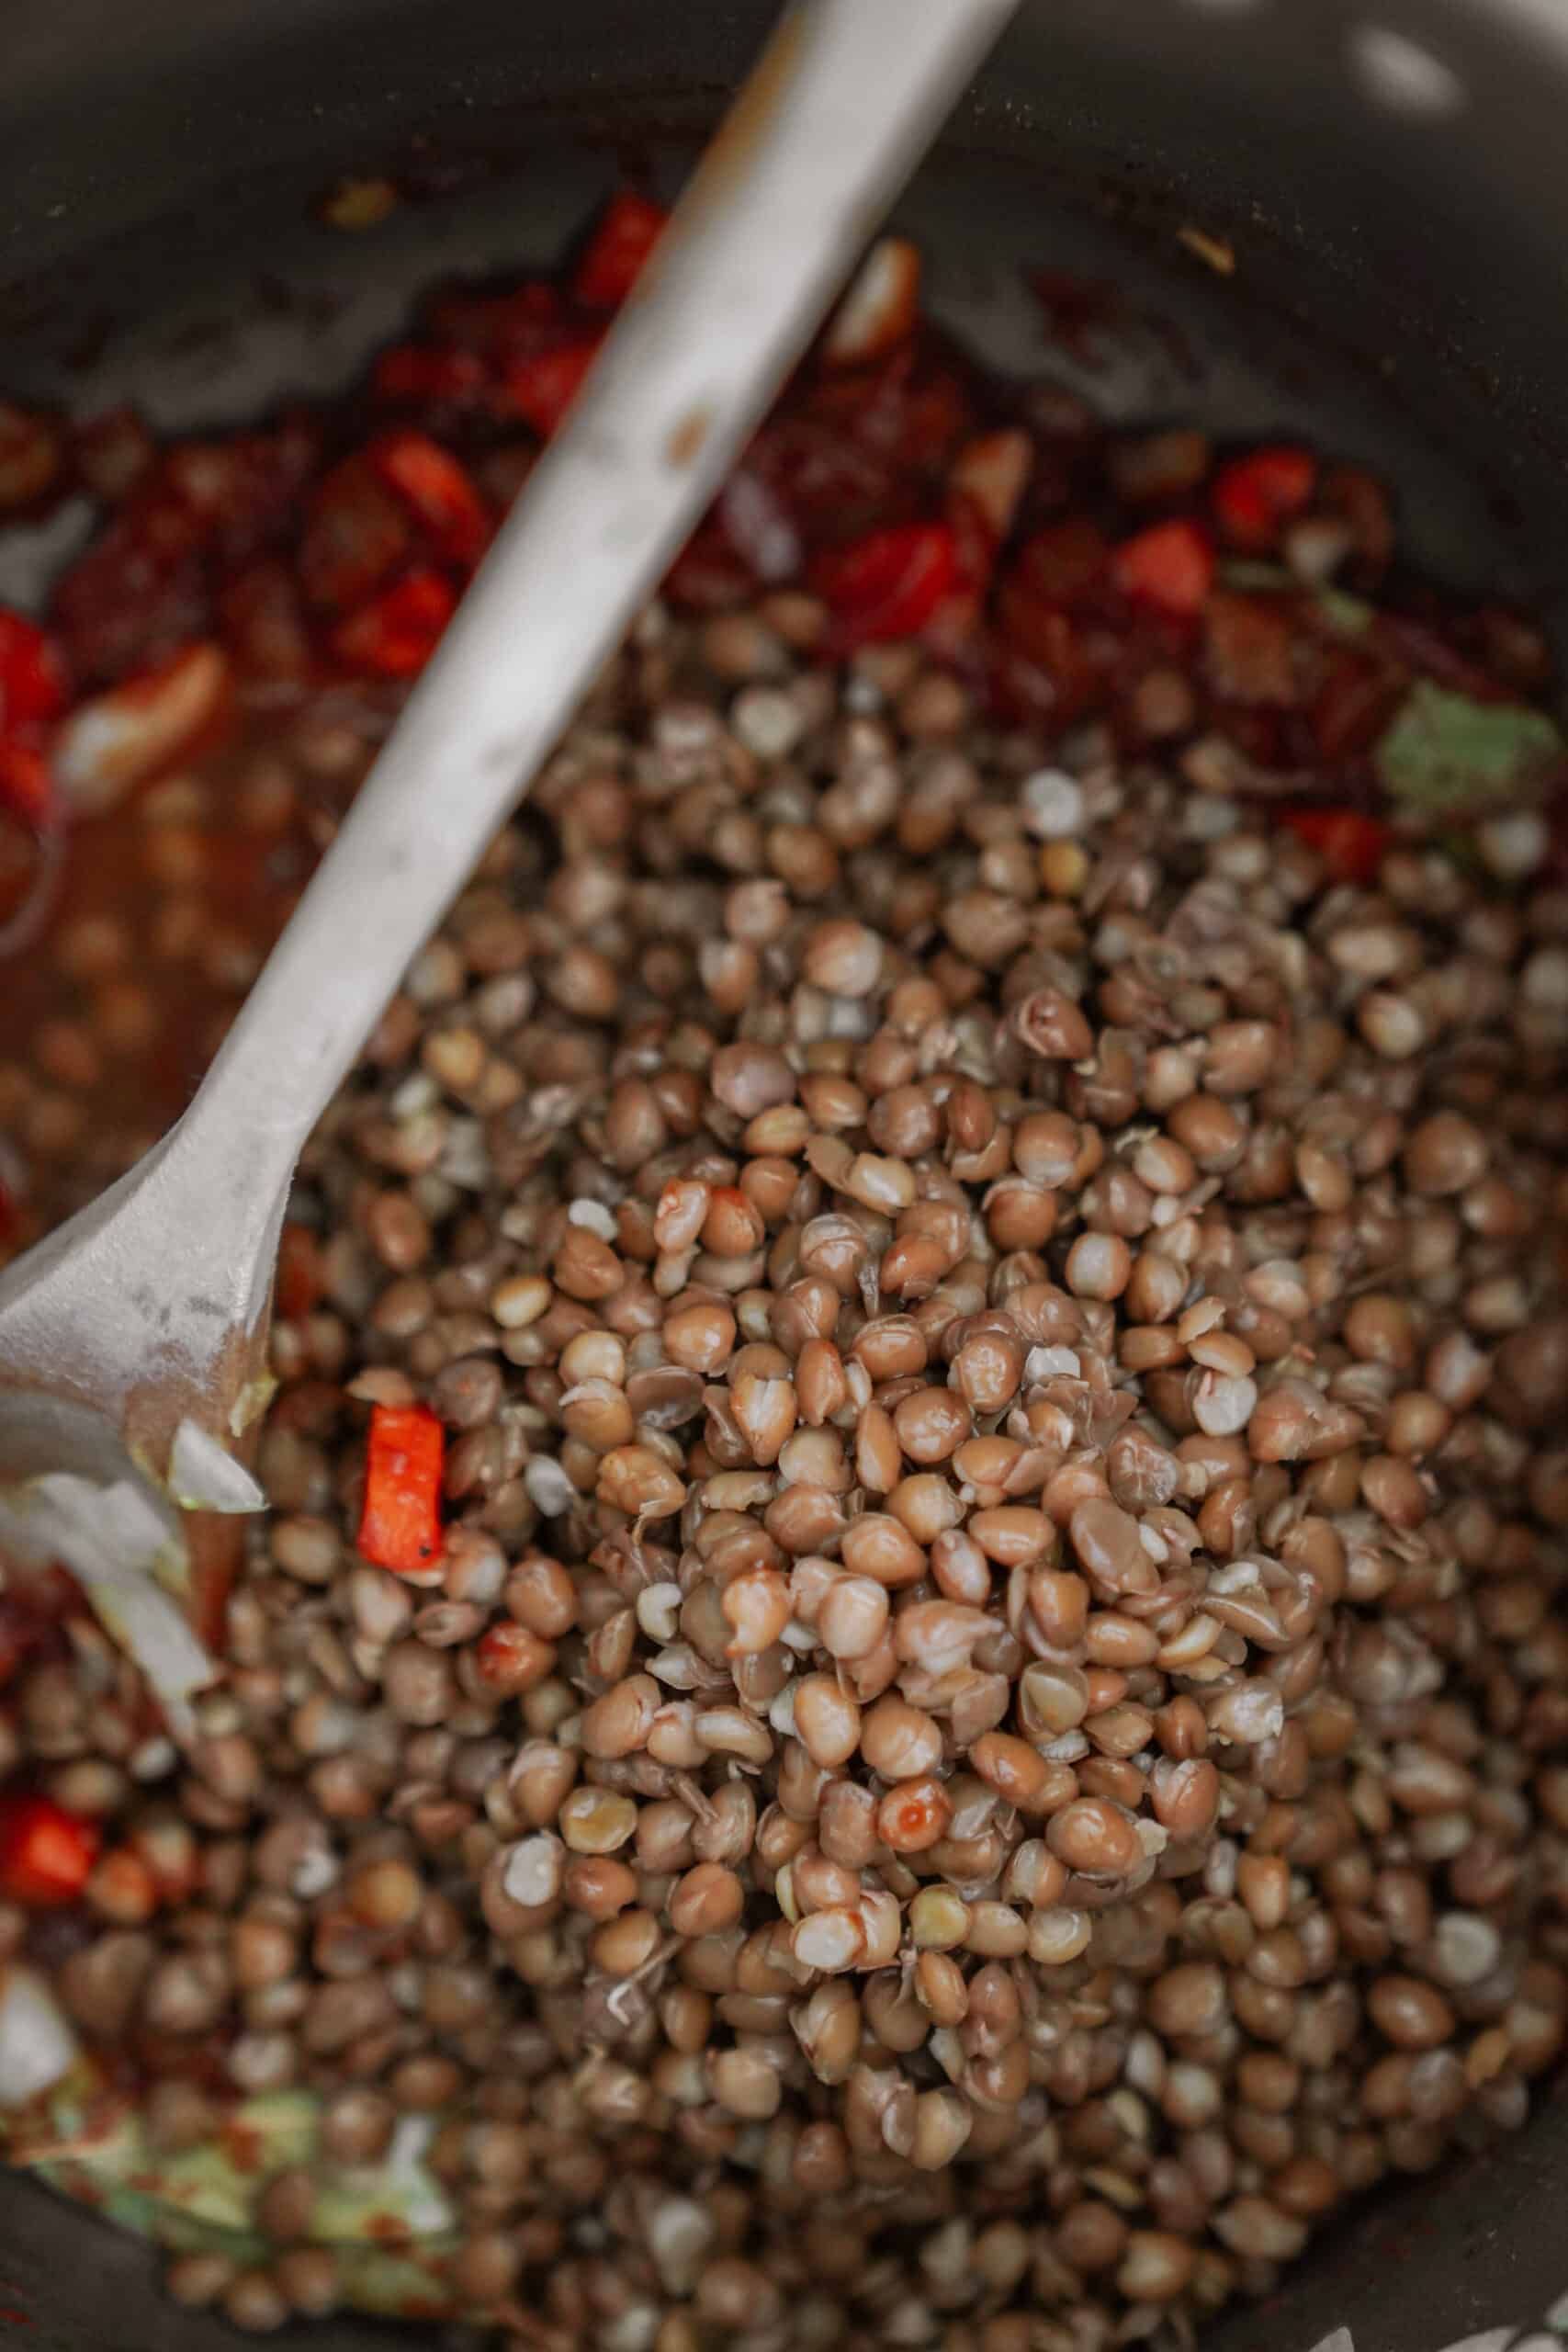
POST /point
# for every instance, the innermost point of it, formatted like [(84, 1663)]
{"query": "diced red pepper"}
[(440, 493), (45, 1853), (1351, 844), (612, 260), (1170, 566), (542, 386), (1253, 496), (428, 371), (32, 676), (889, 584), (401, 1526), (395, 633), (27, 786)]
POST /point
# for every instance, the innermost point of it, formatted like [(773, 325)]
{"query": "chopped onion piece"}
[(116, 1538), (204, 1476), (37, 2045)]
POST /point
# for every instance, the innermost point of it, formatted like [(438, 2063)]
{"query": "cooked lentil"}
[(984, 1749)]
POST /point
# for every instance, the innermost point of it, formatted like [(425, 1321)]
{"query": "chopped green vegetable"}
[(1444, 750), (361, 2202), (391, 2224)]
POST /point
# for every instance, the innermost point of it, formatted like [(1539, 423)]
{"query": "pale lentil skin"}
[(987, 1742)]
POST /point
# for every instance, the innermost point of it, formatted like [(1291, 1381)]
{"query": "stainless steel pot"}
[(1389, 179)]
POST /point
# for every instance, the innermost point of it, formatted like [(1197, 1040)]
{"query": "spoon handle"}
[(841, 105)]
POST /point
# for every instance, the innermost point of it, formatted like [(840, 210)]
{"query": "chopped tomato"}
[(428, 371), (1049, 674), (32, 676), (628, 229), (825, 483), (543, 386), (889, 584), (264, 622), (357, 533), (1355, 701), (1253, 496), (395, 633), (27, 786), (297, 1284), (45, 1853), (1170, 566), (438, 491), (1063, 563), (1350, 844), (911, 411), (1250, 650), (401, 1525)]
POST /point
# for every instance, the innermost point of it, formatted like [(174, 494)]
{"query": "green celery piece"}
[(1444, 750), (355, 2202), (214, 2186), (413, 2284), (203, 2199)]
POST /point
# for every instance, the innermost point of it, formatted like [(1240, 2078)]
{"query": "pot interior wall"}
[(1395, 295)]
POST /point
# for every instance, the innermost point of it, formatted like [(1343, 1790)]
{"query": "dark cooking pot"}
[(1392, 182)]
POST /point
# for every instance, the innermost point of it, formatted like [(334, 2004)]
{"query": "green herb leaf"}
[(1444, 751)]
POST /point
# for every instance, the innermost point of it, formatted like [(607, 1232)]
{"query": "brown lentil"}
[(1000, 1330)]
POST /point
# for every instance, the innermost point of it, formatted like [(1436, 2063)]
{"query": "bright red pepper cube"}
[(627, 231), (399, 1527), (1170, 566), (45, 1853)]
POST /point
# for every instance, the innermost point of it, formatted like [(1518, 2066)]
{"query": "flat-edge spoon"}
[(133, 1340)]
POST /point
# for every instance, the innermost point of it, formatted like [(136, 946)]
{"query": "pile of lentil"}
[(985, 1744)]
